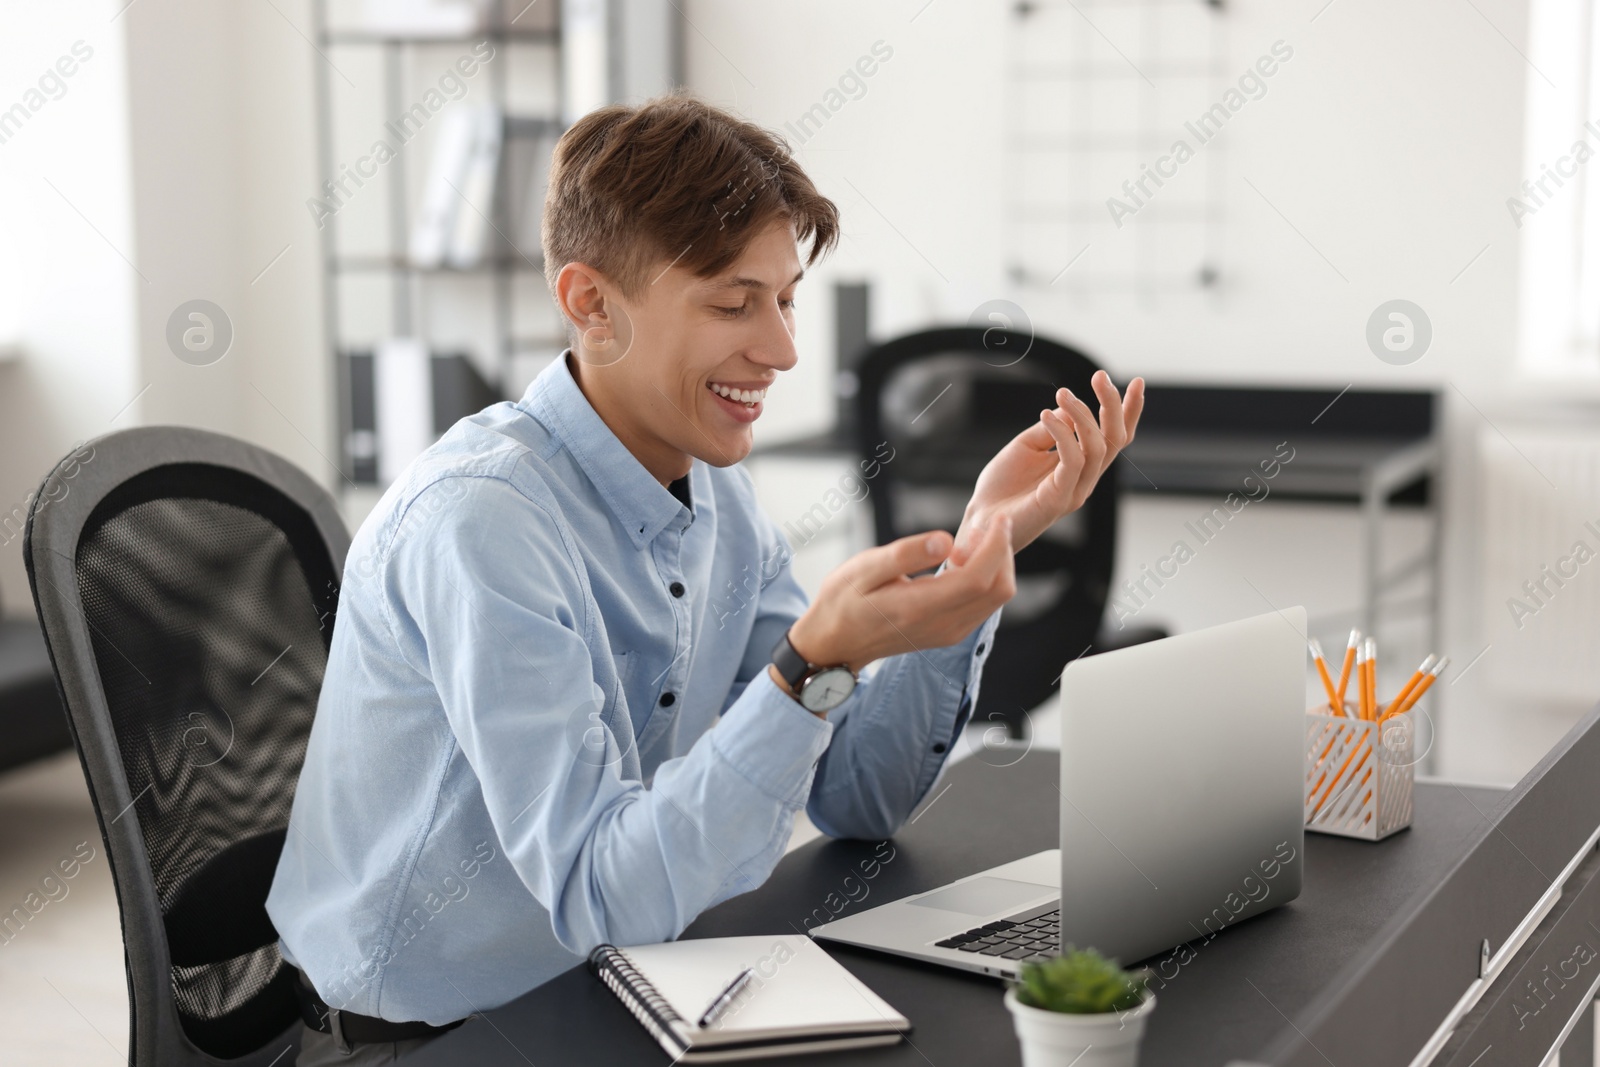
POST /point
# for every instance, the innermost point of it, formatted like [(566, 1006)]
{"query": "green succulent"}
[(1080, 982)]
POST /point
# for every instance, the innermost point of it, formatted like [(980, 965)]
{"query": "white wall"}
[(181, 155), (1390, 142), (65, 278), (220, 104)]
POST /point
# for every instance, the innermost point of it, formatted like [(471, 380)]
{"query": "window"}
[(1556, 208)]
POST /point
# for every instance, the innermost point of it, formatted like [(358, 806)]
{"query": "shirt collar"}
[(641, 504)]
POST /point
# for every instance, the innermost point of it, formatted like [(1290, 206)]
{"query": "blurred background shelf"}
[(436, 124), (399, 264), (369, 37)]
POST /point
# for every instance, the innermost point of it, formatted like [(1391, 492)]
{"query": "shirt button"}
[(667, 700), (981, 647), (676, 588), (938, 747)]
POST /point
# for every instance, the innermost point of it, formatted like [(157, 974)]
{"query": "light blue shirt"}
[(547, 723)]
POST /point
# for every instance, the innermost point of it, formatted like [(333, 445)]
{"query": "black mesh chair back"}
[(945, 401), (187, 583)]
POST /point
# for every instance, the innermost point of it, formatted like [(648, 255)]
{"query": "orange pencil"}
[(1361, 680), (1372, 678), (1365, 709), (1361, 750), (1422, 687), (1344, 672), (1400, 697), (1322, 671)]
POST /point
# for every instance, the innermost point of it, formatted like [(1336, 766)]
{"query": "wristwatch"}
[(819, 688)]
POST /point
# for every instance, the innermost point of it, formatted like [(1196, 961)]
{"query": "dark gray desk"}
[(1232, 1000)]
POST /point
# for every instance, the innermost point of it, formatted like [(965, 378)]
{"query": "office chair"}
[(946, 400), (186, 584)]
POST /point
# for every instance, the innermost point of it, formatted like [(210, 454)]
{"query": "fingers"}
[(899, 614), (974, 536), (969, 591), (1111, 412), (1092, 441), (1133, 407), (1036, 437), (876, 566), (1119, 414), (1072, 460)]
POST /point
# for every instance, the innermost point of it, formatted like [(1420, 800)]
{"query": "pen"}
[(1344, 672), (1327, 682), (725, 999)]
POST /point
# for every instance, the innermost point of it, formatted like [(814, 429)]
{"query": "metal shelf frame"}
[(406, 279)]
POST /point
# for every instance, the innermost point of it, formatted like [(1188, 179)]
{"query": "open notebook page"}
[(797, 987)]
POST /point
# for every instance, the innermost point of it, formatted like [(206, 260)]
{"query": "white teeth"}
[(743, 396)]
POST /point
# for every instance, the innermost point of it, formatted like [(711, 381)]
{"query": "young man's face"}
[(700, 354)]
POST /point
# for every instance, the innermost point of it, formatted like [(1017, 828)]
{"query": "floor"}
[(63, 997)]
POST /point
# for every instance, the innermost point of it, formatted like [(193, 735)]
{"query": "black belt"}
[(348, 1028)]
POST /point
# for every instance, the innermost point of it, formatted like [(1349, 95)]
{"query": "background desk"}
[(1237, 995)]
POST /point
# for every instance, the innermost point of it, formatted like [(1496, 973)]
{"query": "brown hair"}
[(673, 179)]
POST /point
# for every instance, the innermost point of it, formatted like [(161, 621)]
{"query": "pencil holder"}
[(1358, 774)]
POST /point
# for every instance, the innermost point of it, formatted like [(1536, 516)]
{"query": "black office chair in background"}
[(32, 725), (946, 400), (187, 584)]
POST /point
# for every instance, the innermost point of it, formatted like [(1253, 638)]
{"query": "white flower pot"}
[(1061, 1039)]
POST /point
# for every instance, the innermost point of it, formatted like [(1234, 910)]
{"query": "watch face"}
[(827, 689)]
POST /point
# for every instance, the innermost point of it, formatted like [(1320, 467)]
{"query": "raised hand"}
[(1049, 469)]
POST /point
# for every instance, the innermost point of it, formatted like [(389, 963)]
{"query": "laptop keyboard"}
[(1010, 939)]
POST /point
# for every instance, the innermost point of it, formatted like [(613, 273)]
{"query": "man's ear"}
[(593, 304), (583, 295)]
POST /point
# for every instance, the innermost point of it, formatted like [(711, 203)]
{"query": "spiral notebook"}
[(798, 1000)]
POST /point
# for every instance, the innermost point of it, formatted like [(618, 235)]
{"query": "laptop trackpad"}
[(984, 896)]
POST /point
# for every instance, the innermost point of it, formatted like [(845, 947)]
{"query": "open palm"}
[(1049, 469)]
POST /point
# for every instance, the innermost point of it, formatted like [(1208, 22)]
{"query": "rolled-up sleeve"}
[(505, 633)]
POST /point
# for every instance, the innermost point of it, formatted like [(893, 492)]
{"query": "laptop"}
[(1181, 811)]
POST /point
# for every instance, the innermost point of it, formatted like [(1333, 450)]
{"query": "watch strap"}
[(792, 666)]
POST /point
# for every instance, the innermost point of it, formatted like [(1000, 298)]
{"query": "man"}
[(542, 728)]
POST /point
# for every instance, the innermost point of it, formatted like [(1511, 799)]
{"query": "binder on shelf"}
[(458, 390), (432, 235), (529, 145), (486, 189), (475, 195), (398, 401), (360, 419), (402, 385)]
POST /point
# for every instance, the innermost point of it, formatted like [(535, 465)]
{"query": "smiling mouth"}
[(748, 397)]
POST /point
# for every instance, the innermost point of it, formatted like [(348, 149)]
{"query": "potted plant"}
[(1080, 1008)]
